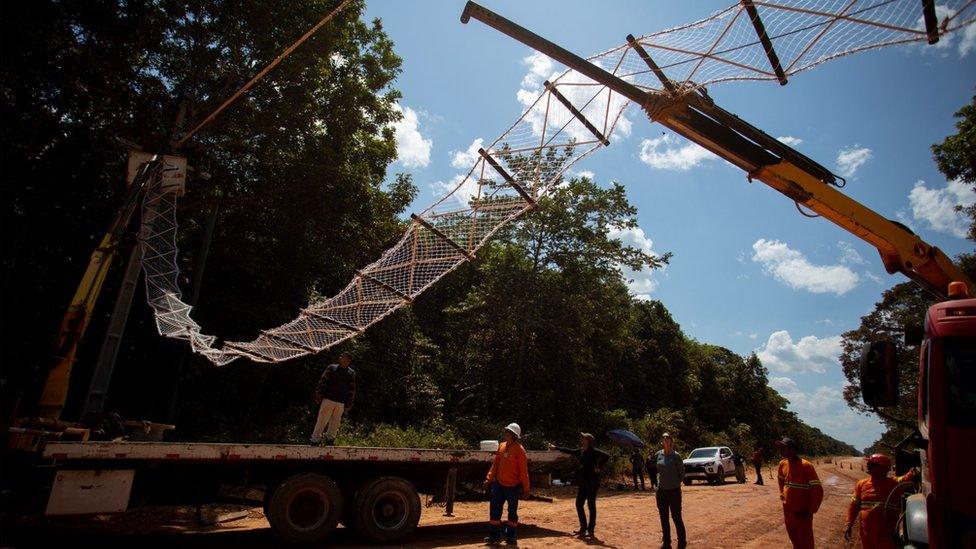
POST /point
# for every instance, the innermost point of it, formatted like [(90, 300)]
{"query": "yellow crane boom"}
[(693, 115)]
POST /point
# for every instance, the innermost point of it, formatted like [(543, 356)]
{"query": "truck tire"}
[(687, 482), (305, 508), (387, 510)]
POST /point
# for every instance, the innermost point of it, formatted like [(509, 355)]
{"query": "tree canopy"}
[(539, 329)]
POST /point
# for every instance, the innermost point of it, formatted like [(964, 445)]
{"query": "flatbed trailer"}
[(307, 490)]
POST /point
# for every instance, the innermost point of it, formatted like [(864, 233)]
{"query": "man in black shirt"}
[(637, 468), (591, 463), (335, 394), (652, 470)]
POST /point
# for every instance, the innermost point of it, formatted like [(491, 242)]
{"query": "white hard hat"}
[(515, 429)]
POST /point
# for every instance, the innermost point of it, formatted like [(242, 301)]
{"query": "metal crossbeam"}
[(665, 81), (287, 341), (508, 178), (320, 316), (579, 116), (931, 21), (384, 285), (443, 236), (245, 352), (766, 42)]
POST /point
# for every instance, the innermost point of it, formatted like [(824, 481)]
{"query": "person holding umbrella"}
[(591, 463)]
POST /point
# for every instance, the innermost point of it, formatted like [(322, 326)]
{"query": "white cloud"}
[(966, 35), (464, 188), (413, 149), (792, 268), (591, 100), (670, 152), (825, 409), (464, 160), (588, 174), (936, 207), (810, 354), (790, 140), (848, 254), (873, 277), (968, 40), (852, 158), (641, 283)]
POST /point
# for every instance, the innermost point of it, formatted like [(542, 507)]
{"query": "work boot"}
[(492, 540), (581, 533)]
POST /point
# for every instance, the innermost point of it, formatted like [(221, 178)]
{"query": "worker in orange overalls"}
[(507, 479), (876, 499), (800, 492)]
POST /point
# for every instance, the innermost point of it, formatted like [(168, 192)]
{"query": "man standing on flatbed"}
[(335, 393), (800, 492)]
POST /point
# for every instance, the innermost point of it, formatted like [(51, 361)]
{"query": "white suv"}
[(712, 464)]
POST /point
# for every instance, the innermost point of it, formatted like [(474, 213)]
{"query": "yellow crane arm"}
[(693, 114), (79, 313), (901, 250)]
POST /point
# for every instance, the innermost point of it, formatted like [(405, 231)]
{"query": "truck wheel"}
[(387, 510), (687, 482), (305, 508)]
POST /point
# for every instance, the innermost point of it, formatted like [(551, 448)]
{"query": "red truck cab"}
[(947, 423)]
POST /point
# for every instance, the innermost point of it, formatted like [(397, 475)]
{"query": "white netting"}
[(542, 144)]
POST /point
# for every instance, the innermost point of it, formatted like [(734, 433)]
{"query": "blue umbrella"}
[(625, 437)]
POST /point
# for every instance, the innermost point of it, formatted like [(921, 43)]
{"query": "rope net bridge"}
[(572, 117)]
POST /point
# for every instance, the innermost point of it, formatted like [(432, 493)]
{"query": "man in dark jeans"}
[(335, 393), (652, 470), (671, 469), (637, 468), (757, 462), (591, 463)]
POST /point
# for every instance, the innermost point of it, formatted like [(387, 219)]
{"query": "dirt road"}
[(733, 515)]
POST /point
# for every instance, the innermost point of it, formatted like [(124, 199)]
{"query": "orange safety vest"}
[(511, 466), (799, 486), (878, 503)]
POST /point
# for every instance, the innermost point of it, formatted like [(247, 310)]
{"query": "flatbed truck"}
[(307, 490)]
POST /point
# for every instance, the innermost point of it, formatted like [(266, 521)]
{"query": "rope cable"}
[(261, 74)]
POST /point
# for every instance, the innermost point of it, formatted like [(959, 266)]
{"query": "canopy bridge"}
[(572, 117)]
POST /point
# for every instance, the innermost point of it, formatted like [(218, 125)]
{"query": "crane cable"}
[(261, 74)]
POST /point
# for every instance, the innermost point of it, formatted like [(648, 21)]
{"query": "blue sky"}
[(749, 272)]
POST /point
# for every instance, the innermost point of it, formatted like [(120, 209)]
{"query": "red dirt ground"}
[(733, 515)]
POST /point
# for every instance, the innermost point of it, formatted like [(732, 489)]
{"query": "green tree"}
[(956, 156), (298, 165)]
